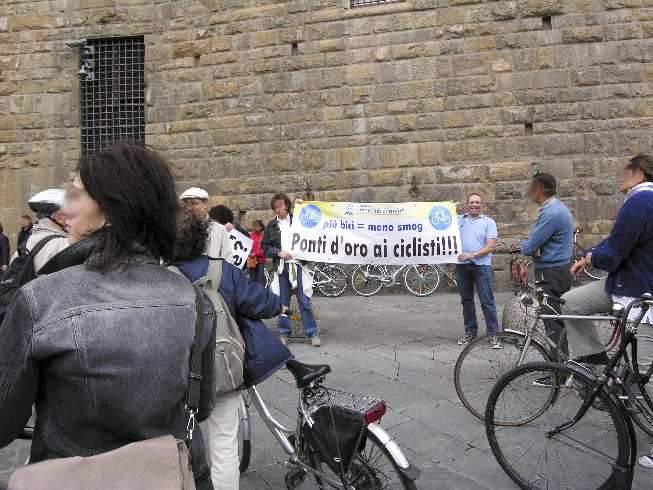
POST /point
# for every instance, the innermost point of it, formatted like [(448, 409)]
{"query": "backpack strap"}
[(41, 243), (214, 273), (195, 374)]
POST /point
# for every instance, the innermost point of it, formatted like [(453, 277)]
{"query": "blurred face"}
[(280, 209), (256, 226), (199, 207), (474, 205), (536, 191), (83, 215), (24, 223), (629, 178)]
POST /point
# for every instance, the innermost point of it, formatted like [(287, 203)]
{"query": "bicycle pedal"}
[(294, 478)]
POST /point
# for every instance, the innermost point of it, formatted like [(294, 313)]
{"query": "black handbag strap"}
[(195, 375)]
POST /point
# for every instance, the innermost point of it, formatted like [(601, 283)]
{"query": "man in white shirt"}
[(197, 200)]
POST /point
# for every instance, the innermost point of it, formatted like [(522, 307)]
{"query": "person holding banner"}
[(290, 274), (197, 200), (478, 236), (223, 215)]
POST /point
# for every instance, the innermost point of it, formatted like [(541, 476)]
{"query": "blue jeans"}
[(468, 277), (257, 274), (305, 309)]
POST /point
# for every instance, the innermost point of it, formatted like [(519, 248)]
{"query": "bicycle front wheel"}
[(366, 279), (479, 367), (422, 280), (540, 453), (331, 280), (373, 468)]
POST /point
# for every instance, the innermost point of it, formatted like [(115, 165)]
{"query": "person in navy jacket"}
[(627, 255)]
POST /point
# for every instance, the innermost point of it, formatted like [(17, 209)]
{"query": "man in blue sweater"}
[(549, 244), (626, 254)]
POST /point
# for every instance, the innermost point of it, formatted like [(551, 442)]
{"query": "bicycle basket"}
[(338, 426)]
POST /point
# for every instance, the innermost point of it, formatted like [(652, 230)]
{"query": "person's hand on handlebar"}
[(578, 267)]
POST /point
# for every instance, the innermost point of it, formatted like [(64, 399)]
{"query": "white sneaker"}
[(283, 339), (316, 342), (646, 461)]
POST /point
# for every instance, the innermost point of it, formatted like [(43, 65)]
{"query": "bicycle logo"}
[(440, 217), (310, 216)]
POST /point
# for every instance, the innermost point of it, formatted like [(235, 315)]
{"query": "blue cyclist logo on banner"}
[(310, 216), (440, 217)]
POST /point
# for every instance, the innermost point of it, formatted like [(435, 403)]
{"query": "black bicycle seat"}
[(306, 373)]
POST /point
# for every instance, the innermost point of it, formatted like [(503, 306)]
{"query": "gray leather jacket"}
[(106, 358)]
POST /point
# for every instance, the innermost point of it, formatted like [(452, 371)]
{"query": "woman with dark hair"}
[(248, 303), (103, 347), (626, 254)]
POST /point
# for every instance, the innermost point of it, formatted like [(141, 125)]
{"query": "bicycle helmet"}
[(47, 202)]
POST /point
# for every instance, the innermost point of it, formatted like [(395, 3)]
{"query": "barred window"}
[(370, 3), (113, 94)]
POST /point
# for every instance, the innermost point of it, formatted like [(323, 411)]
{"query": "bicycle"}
[(309, 215), (337, 442), (420, 280), (479, 366), (579, 431), (579, 253), (518, 268), (440, 217), (329, 279)]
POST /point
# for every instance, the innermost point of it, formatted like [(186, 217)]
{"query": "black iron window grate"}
[(113, 101), (370, 3)]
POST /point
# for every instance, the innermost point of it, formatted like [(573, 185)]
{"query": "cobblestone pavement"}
[(399, 348)]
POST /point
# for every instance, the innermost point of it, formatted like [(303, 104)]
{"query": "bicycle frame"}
[(291, 442), (609, 377)]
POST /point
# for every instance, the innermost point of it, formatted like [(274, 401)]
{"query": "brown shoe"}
[(283, 339), (316, 342)]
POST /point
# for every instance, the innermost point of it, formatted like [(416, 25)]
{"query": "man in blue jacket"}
[(549, 243), (626, 254)]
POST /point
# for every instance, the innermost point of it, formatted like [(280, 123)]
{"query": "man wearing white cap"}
[(197, 200)]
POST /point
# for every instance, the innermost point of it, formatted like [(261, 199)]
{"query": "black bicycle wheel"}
[(244, 434), (479, 367), (373, 468), (637, 413), (331, 280), (583, 456)]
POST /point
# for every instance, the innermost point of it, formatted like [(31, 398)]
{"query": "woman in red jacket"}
[(257, 273)]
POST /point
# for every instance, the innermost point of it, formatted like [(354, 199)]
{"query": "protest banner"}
[(376, 233), (241, 245)]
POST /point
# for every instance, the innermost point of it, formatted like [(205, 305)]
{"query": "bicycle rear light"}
[(376, 413)]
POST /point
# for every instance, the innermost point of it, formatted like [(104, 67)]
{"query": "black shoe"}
[(600, 359), (544, 382)]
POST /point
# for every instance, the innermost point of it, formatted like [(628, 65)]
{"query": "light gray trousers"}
[(583, 336)]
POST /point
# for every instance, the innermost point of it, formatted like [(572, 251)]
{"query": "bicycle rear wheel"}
[(479, 367), (422, 280), (586, 455), (373, 468), (365, 279), (331, 280), (594, 273)]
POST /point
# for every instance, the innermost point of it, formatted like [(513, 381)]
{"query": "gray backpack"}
[(230, 347)]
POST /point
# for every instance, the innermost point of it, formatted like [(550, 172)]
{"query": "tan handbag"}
[(161, 463), (251, 262)]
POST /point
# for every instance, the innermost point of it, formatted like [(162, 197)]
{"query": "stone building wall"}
[(246, 97)]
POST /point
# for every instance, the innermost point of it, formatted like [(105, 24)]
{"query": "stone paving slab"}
[(399, 348)]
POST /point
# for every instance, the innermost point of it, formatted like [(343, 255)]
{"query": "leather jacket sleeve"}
[(19, 370), (270, 243)]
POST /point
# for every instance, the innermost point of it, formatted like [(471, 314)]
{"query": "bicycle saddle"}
[(306, 373)]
